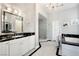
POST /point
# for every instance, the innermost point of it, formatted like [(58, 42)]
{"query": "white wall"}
[(49, 30), (55, 30), (42, 10), (68, 16), (0, 20), (36, 27), (29, 18), (64, 16)]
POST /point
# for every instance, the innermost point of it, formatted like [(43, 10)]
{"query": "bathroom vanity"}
[(16, 44), (13, 40), (70, 44)]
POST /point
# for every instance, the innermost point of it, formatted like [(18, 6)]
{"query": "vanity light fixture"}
[(9, 9), (18, 12)]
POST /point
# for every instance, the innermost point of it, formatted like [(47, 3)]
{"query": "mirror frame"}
[(3, 20)]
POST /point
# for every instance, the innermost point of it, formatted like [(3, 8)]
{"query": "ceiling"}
[(26, 6), (64, 7)]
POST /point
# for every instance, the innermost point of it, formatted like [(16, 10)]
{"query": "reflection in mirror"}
[(11, 23)]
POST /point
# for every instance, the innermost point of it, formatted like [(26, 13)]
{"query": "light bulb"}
[(9, 9), (19, 13), (15, 11)]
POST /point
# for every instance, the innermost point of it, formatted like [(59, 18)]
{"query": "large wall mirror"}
[(11, 23)]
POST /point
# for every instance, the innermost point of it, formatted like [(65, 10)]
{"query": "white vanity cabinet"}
[(21, 46), (28, 44), (4, 48), (31, 42), (25, 45), (70, 50), (15, 47)]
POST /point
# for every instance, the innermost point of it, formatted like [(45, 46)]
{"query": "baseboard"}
[(29, 52), (37, 47), (35, 50), (57, 52)]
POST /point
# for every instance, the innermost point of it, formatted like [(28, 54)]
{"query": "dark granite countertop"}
[(71, 36), (12, 36)]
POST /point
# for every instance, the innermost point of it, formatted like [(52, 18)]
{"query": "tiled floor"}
[(47, 49)]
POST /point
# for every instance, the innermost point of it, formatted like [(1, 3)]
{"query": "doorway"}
[(42, 28)]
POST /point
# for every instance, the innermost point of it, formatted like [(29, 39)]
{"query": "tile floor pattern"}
[(47, 49)]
